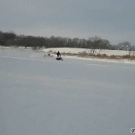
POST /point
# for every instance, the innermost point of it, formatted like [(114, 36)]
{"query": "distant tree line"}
[(11, 39)]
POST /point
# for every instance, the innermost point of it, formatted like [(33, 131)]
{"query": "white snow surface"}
[(83, 50), (42, 96), (103, 51)]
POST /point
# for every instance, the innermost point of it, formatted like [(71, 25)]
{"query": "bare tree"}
[(125, 46), (94, 43)]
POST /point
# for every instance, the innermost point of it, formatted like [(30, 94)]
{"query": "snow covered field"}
[(76, 50), (42, 96), (97, 51), (81, 50)]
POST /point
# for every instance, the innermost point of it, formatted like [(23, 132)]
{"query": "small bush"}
[(104, 55)]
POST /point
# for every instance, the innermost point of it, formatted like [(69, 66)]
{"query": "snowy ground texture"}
[(82, 50), (97, 51), (42, 96)]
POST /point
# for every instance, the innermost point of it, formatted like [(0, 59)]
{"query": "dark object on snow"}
[(58, 54), (59, 58)]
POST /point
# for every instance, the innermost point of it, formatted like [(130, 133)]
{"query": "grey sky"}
[(110, 19)]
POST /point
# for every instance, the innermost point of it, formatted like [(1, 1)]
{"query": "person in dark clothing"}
[(58, 54)]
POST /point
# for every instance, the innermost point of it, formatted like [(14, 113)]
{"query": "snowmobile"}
[(59, 58)]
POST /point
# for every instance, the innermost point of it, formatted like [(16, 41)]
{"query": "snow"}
[(81, 50), (39, 95)]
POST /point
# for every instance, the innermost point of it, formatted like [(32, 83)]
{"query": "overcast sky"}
[(109, 19)]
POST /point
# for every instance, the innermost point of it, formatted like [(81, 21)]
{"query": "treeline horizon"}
[(37, 42)]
